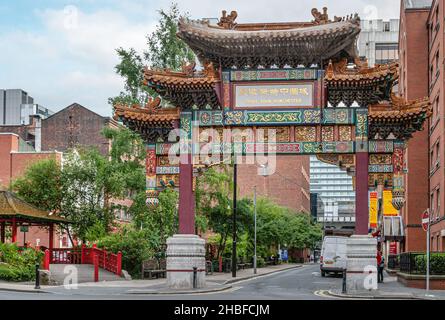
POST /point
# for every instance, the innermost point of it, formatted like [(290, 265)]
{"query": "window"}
[(438, 153), (437, 62), (386, 52), (386, 27), (432, 203), (438, 204), (437, 111)]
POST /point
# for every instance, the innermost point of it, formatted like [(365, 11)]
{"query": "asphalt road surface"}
[(303, 283)]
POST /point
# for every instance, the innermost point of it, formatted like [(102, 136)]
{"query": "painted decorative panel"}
[(186, 123), (164, 161), (209, 118), (163, 149), (167, 170), (250, 118), (150, 174), (327, 134), (338, 116), (226, 90), (385, 159), (381, 146), (300, 148), (281, 134), (380, 179), (380, 168), (168, 180), (267, 75), (345, 133), (361, 130), (305, 134)]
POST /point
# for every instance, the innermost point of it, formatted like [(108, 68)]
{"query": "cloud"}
[(70, 55), (73, 58)]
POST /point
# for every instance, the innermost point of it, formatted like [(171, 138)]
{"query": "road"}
[(295, 284)]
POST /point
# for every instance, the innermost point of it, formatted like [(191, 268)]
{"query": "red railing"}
[(97, 257)]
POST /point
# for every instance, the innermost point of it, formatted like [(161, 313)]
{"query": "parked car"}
[(333, 255)]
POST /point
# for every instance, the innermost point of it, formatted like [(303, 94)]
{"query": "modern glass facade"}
[(335, 195)]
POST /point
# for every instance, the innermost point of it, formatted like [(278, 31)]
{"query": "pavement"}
[(285, 282), (215, 283)]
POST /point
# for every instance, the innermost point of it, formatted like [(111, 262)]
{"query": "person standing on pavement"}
[(380, 266)]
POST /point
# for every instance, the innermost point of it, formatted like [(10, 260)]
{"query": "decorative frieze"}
[(268, 75)]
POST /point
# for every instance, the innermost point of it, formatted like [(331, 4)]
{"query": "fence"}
[(100, 258), (394, 262), (409, 265)]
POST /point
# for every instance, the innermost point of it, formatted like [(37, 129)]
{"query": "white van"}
[(333, 255)]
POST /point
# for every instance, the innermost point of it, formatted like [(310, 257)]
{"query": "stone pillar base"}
[(361, 265), (185, 252)]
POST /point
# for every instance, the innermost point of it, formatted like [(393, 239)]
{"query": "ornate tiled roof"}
[(11, 206), (360, 72), (152, 113), (187, 88), (184, 80), (230, 44), (399, 117), (348, 83)]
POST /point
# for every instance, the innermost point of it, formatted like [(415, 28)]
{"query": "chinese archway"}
[(303, 80)]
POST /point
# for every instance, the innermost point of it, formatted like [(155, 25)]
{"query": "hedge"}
[(437, 263)]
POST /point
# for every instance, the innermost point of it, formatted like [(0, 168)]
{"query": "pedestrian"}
[(380, 266)]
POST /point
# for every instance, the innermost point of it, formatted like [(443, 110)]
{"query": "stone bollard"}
[(361, 265), (184, 253)]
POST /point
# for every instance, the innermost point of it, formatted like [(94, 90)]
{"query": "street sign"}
[(24, 229), (426, 220)]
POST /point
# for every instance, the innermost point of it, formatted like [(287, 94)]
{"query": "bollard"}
[(37, 287), (195, 274), (344, 291)]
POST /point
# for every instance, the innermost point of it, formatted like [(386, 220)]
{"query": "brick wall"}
[(288, 187), (413, 44), (74, 126)]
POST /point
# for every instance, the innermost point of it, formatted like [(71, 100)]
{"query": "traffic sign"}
[(426, 220)]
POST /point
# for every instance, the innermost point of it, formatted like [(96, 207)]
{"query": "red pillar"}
[(51, 236), (186, 198), (2, 232), (361, 193), (14, 230)]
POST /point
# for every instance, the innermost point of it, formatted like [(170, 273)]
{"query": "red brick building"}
[(15, 157), (289, 186), (422, 74), (76, 126)]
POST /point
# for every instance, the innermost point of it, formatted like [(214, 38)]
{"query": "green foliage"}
[(135, 245), (165, 50), (81, 191), (40, 185), (18, 266), (437, 263)]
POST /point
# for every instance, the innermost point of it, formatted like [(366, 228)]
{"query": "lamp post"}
[(255, 223), (234, 219)]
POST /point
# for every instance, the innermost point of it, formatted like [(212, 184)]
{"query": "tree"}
[(83, 189), (164, 51), (40, 185)]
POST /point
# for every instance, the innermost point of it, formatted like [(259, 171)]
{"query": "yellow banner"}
[(388, 208), (373, 209)]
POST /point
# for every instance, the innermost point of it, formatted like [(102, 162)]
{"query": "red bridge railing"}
[(100, 258)]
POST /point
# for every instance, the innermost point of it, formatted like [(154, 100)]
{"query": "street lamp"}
[(235, 167), (255, 219)]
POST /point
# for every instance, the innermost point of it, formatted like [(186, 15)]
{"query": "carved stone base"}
[(361, 265), (185, 252)]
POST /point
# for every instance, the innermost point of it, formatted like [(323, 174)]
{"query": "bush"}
[(18, 266), (135, 245), (437, 263)]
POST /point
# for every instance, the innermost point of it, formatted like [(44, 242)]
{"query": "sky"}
[(62, 52)]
